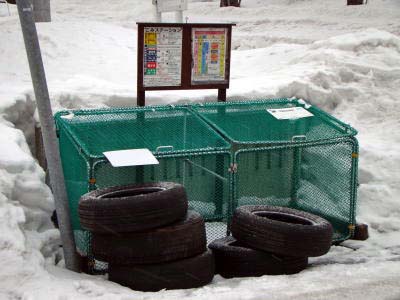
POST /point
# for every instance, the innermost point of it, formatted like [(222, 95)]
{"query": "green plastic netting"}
[(189, 151), (225, 154), (307, 163), (249, 122)]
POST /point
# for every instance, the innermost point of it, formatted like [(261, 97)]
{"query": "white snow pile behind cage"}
[(355, 76)]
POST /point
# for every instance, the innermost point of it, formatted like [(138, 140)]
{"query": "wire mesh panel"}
[(307, 162), (317, 178), (189, 151), (76, 174), (249, 122), (160, 129), (204, 176)]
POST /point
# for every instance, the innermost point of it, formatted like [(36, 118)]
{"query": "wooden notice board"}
[(183, 56)]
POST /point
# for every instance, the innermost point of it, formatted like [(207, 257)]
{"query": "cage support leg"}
[(219, 165), (140, 169), (360, 232), (295, 176)]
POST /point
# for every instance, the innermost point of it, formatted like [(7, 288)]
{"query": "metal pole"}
[(8, 8), (157, 15), (29, 32)]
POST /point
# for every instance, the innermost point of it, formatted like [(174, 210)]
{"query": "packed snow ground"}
[(343, 59)]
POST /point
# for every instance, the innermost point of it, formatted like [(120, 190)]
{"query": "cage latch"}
[(299, 138), (164, 148), (233, 168)]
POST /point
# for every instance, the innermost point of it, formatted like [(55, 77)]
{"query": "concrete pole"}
[(157, 15), (32, 47), (179, 16)]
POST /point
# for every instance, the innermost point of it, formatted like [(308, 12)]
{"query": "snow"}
[(345, 59)]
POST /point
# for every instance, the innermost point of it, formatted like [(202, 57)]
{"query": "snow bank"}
[(25, 205), (323, 53), (364, 41)]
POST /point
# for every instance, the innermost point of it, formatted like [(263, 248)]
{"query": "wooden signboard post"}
[(183, 56)]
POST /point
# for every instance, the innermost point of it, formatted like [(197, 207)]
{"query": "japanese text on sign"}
[(162, 56), (209, 53)]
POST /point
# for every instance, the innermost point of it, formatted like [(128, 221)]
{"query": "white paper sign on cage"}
[(290, 113), (170, 5), (131, 157)]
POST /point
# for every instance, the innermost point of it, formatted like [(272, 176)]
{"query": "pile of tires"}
[(270, 240), (148, 237)]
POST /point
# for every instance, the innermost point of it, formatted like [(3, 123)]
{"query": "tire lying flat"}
[(132, 208), (182, 274), (180, 240), (233, 259), (282, 230)]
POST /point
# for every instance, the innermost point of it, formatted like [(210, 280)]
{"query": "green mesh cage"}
[(306, 163), (225, 154), (189, 151)]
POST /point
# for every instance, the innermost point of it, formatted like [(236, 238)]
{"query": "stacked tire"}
[(270, 240), (148, 237)]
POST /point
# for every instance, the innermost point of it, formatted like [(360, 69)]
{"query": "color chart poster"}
[(209, 53)]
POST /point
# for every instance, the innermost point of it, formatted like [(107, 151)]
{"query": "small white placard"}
[(131, 157), (290, 113)]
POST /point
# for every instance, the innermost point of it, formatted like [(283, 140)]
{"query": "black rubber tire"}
[(132, 208), (234, 259), (180, 274), (282, 230), (180, 240)]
